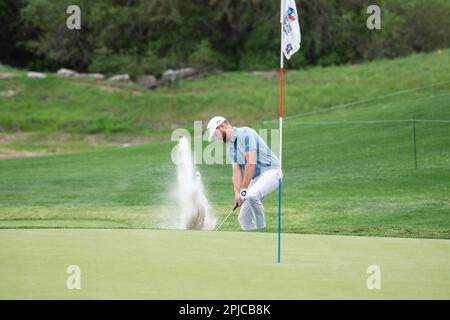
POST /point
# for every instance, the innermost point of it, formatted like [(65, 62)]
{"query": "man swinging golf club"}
[(256, 169)]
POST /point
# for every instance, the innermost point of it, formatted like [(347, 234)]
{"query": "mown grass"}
[(171, 264)]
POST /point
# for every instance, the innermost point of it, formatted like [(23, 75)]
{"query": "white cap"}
[(212, 126)]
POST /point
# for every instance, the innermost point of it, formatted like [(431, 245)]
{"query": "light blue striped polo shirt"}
[(246, 139)]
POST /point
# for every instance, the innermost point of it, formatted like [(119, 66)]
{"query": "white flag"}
[(291, 29)]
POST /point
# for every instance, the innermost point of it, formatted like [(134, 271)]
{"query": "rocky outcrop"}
[(6, 75), (267, 74), (171, 76), (36, 75), (120, 78), (66, 73), (95, 76), (8, 93), (147, 81)]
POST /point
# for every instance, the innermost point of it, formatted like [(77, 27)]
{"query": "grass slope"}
[(53, 105), (149, 264)]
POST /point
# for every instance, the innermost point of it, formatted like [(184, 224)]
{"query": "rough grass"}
[(72, 107)]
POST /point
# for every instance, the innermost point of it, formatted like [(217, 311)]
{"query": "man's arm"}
[(237, 182), (249, 168)]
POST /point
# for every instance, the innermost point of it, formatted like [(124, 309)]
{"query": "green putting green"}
[(167, 264)]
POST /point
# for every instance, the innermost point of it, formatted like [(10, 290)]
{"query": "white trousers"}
[(251, 216)]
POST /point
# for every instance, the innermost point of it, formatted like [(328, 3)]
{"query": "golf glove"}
[(243, 194)]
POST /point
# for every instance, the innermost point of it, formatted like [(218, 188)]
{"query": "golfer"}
[(256, 169)]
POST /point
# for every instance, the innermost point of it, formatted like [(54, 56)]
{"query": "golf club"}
[(226, 218)]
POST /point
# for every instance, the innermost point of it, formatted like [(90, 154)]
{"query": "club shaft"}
[(226, 218)]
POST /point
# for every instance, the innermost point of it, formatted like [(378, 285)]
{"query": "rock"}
[(120, 77), (36, 75), (147, 81), (8, 93), (171, 76), (6, 75), (186, 73), (66, 73), (268, 74), (96, 76)]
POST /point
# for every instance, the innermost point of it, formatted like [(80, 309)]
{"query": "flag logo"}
[(289, 48), (291, 37), (291, 14)]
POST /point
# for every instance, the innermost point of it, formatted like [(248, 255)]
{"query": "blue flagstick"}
[(279, 220)]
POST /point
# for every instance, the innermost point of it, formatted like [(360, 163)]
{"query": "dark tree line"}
[(148, 36)]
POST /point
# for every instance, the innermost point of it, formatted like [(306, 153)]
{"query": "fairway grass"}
[(168, 264), (340, 178), (347, 171)]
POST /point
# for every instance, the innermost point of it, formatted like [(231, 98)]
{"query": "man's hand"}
[(237, 200), (243, 194)]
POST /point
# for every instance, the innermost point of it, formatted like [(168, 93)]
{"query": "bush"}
[(149, 36), (204, 58), (110, 63)]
